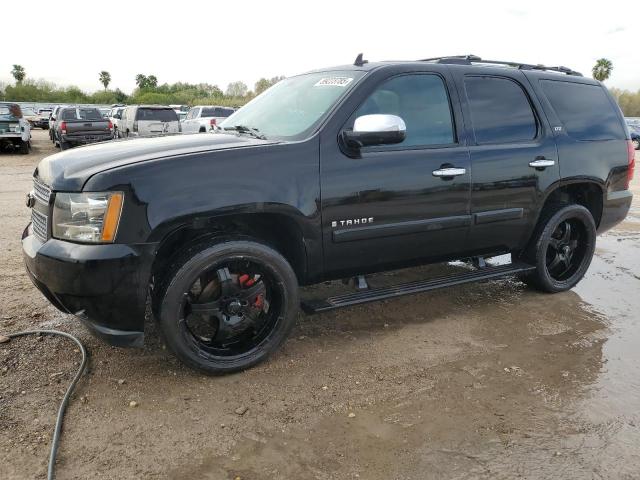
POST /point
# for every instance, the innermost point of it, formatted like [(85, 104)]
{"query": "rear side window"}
[(584, 110), (157, 114), (500, 111)]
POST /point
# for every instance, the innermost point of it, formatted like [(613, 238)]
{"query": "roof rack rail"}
[(471, 59)]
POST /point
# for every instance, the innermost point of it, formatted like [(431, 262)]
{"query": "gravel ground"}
[(490, 381)]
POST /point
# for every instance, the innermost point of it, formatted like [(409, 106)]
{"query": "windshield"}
[(4, 111), (294, 107)]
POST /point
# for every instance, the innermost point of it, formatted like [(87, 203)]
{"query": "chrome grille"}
[(39, 225), (41, 191)]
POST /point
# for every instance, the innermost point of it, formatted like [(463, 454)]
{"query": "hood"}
[(69, 170)]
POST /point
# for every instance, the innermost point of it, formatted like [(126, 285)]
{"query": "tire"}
[(202, 130), (561, 254), (243, 331), (25, 147), (636, 143)]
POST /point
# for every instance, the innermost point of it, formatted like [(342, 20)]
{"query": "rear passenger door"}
[(513, 156)]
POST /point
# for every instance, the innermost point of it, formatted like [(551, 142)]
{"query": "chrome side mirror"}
[(377, 129)]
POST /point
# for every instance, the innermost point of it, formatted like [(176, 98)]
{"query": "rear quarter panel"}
[(603, 162)]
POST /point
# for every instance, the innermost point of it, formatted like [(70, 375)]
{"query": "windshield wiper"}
[(254, 132)]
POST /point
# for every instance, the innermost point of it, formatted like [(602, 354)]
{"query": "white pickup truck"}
[(204, 118)]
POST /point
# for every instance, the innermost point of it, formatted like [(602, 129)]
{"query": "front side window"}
[(421, 101), (500, 111), (293, 108)]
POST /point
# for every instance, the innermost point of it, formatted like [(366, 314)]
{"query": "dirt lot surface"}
[(489, 380)]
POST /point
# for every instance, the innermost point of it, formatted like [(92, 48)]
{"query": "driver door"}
[(390, 207)]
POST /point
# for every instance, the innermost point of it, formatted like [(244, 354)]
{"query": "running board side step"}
[(375, 294)]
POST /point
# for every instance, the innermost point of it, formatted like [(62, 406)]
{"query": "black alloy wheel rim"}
[(231, 308), (566, 251)]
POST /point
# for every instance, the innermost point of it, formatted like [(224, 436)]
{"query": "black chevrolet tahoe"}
[(331, 174)]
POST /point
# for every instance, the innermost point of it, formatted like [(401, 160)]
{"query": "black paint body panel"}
[(193, 181)]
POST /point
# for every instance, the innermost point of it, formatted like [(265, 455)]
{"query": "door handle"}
[(542, 163), (449, 172)]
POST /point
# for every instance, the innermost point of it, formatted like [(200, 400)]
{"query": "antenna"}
[(360, 61)]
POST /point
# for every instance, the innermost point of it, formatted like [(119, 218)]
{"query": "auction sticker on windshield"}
[(334, 82)]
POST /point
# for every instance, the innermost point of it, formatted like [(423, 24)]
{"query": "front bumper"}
[(614, 209), (104, 286)]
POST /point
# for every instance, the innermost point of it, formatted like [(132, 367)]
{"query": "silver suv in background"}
[(148, 120), (203, 118)]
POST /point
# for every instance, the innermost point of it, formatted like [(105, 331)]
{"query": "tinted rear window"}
[(500, 111), (216, 112), (584, 110), (157, 114), (91, 114)]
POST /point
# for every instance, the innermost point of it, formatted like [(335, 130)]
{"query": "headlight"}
[(87, 217), (15, 127)]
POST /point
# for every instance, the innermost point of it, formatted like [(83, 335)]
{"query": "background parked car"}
[(52, 122), (148, 120), (15, 131), (115, 115), (105, 112), (204, 118), (182, 115), (635, 136), (41, 119), (30, 115), (81, 125)]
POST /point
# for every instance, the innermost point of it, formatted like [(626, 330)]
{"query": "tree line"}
[(236, 94), (147, 91)]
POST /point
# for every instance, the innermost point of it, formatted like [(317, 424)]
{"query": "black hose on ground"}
[(55, 441)]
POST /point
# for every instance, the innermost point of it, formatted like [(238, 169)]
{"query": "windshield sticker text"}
[(334, 82)]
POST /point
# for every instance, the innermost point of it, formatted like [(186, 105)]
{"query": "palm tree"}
[(105, 78), (602, 69), (141, 80), (18, 73)]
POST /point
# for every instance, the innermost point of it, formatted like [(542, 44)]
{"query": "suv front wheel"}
[(561, 249), (226, 305)]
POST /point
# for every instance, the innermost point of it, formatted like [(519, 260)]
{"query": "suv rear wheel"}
[(561, 249), (227, 305)]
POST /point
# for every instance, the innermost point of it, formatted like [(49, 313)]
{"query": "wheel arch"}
[(586, 191), (279, 230)]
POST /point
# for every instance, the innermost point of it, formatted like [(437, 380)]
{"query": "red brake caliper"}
[(246, 281)]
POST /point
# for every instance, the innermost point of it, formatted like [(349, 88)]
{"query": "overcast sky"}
[(219, 42)]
